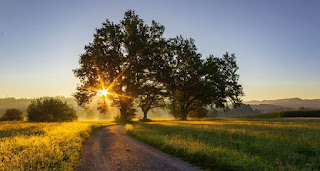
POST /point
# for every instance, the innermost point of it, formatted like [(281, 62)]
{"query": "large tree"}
[(194, 82), (117, 61), (184, 78)]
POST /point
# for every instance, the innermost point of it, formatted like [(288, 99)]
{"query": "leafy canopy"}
[(119, 59)]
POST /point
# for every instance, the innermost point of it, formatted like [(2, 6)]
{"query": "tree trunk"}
[(123, 112), (145, 113), (184, 116), (184, 113)]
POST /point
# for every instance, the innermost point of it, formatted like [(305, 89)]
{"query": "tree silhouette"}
[(132, 61), (195, 83), (118, 60)]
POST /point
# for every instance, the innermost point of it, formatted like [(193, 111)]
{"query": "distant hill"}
[(292, 103), (267, 106)]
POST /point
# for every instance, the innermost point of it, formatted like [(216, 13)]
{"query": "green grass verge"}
[(236, 144)]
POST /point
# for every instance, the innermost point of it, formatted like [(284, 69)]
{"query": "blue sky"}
[(277, 43)]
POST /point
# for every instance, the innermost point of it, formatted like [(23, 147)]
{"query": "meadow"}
[(274, 144), (44, 146)]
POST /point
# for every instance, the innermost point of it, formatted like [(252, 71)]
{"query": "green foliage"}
[(283, 114), (236, 144), (199, 113), (50, 110), (12, 114)]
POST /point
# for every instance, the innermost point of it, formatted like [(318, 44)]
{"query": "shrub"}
[(49, 109), (283, 114), (301, 113), (200, 112), (12, 115)]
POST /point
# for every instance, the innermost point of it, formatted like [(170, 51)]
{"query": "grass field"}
[(275, 144), (43, 146)]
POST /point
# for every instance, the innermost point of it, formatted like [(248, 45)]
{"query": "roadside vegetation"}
[(43, 146), (237, 144)]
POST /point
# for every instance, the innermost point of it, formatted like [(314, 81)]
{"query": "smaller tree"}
[(12, 114), (152, 96), (50, 109)]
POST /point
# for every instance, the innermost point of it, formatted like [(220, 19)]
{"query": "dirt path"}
[(113, 149)]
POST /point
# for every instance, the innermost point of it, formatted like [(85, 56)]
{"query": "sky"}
[(277, 43)]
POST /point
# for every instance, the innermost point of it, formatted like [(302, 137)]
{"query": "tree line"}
[(134, 61)]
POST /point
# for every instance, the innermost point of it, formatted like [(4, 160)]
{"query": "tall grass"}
[(43, 146), (236, 144)]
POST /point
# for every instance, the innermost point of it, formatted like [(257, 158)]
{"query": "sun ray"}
[(116, 79), (104, 92), (120, 95), (92, 103), (101, 79)]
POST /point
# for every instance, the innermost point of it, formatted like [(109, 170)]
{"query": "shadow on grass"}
[(28, 131)]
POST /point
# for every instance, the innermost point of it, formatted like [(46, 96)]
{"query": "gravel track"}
[(113, 149)]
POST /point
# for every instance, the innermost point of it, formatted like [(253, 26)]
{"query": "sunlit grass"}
[(43, 146), (237, 144)]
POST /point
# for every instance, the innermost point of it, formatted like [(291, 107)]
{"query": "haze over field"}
[(277, 44)]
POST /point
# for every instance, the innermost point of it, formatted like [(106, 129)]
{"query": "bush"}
[(283, 114), (301, 113), (12, 115), (200, 112), (50, 110)]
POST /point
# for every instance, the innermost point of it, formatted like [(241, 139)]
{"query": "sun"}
[(103, 92)]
